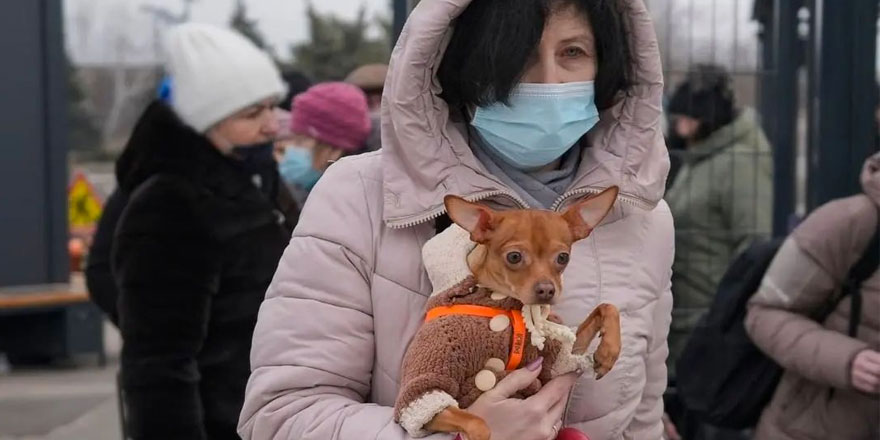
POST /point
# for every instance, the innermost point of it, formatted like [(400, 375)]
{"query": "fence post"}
[(781, 59), (842, 97), (400, 10)]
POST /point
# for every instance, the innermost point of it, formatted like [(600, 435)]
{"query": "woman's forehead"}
[(569, 23)]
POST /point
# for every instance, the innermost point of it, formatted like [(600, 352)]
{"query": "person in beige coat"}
[(831, 383), (350, 291)]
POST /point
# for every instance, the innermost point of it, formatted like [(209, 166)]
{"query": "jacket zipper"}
[(632, 200), (433, 214), (478, 197)]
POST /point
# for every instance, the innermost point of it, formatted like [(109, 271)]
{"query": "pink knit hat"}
[(334, 113)]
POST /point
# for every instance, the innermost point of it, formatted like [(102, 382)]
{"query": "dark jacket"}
[(99, 275), (194, 251)]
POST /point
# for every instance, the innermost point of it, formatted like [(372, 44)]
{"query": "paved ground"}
[(76, 401)]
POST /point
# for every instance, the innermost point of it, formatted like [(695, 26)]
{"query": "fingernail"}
[(535, 364), (579, 371)]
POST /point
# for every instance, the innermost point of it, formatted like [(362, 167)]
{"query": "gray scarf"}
[(541, 188)]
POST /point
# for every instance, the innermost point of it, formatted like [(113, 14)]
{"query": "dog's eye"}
[(514, 258), (562, 259)]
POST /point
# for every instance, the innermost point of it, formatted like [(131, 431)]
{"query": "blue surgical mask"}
[(296, 168), (542, 122)]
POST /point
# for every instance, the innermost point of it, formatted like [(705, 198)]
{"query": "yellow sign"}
[(83, 205)]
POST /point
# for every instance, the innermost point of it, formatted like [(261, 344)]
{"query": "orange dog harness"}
[(517, 344)]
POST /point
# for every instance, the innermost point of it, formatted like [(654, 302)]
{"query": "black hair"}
[(493, 41), (297, 83), (707, 96)]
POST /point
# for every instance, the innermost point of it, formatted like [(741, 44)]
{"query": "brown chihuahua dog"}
[(522, 254)]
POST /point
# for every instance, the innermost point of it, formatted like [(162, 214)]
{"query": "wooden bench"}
[(40, 299), (55, 321)]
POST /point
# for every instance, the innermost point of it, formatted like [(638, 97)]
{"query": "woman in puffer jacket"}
[(584, 84), (831, 385)]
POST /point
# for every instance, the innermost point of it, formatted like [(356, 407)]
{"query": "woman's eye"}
[(514, 258), (562, 259), (573, 52)]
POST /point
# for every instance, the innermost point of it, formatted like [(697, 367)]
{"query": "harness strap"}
[(518, 341)]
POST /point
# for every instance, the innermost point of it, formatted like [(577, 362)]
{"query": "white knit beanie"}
[(217, 72)]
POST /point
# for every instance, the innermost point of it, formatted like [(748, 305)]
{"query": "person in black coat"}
[(198, 240)]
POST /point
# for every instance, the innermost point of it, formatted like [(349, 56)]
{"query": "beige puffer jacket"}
[(350, 290), (816, 399)]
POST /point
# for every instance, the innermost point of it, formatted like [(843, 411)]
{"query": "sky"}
[(108, 31)]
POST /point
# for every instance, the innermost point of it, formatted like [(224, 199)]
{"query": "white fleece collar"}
[(445, 258)]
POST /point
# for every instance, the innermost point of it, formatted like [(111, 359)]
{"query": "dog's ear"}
[(585, 215), (473, 217)]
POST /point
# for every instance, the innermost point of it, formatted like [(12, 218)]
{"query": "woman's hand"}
[(537, 418), (866, 372)]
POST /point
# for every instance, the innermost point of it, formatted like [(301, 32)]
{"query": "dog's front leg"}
[(604, 321)]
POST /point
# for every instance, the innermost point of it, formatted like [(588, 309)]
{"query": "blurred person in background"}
[(721, 200), (722, 196), (831, 385), (371, 79), (284, 136), (197, 243), (327, 122), (296, 83)]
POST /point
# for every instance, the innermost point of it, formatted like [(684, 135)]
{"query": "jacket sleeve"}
[(167, 271), (313, 349), (647, 422), (799, 285)]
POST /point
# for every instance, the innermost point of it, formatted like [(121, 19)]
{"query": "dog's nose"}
[(544, 291)]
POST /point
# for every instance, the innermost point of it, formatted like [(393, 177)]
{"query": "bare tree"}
[(697, 31), (336, 46), (164, 18), (127, 83)]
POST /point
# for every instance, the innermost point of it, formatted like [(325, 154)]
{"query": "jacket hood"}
[(426, 155), (871, 178), (744, 131)]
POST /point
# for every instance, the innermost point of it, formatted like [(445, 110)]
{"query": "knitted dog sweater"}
[(449, 359)]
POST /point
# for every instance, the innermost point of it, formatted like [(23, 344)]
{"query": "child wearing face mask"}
[(327, 122)]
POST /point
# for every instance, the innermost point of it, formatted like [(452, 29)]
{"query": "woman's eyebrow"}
[(580, 38)]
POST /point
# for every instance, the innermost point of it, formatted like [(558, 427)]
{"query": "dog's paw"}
[(477, 430), (604, 359)]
